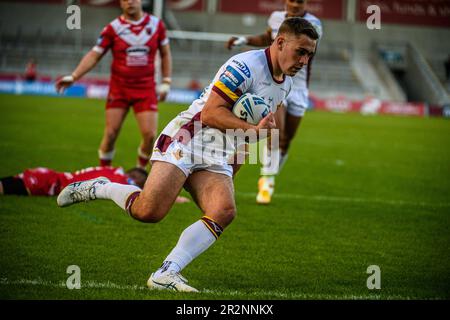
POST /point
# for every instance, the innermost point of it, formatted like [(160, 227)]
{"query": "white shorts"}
[(297, 102), (180, 155)]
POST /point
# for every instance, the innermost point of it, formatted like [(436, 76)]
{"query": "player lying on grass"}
[(265, 73), (47, 182)]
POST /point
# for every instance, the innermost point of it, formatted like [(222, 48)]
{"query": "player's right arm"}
[(87, 63)]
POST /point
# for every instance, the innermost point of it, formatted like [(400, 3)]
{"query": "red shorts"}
[(43, 181), (141, 100)]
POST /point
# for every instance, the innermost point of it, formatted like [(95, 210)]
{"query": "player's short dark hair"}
[(139, 170), (13, 185), (298, 26)]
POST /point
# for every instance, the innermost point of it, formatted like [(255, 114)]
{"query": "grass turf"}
[(356, 191)]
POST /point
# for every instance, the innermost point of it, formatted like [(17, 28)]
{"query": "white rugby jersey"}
[(251, 72), (275, 21)]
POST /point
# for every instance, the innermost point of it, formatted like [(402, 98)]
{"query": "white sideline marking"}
[(348, 199), (62, 284), (230, 293)]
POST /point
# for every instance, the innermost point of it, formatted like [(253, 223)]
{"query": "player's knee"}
[(147, 214), (226, 216), (149, 135), (151, 218), (111, 134)]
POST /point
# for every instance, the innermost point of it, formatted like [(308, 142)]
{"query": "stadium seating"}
[(343, 65)]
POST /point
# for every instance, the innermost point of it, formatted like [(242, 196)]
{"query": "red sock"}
[(142, 160), (105, 157)]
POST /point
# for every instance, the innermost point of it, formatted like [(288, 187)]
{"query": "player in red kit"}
[(134, 38), (47, 182)]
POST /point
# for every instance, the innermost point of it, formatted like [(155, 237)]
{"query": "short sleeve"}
[(105, 41), (162, 34), (235, 79)]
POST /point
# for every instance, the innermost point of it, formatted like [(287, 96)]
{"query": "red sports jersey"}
[(47, 182), (134, 45)]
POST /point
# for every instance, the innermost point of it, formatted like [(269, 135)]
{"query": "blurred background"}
[(401, 68)]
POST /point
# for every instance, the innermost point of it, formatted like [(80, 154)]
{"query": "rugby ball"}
[(251, 108)]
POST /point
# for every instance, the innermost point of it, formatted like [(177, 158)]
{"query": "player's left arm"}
[(166, 62), (166, 71)]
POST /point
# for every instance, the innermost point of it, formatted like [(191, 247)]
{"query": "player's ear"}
[(280, 40)]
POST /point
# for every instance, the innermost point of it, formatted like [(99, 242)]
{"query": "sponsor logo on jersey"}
[(242, 67), (231, 78), (137, 50), (137, 56)]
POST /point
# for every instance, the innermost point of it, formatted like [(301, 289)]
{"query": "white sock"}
[(194, 240), (106, 155), (119, 193), (270, 161), (283, 158)]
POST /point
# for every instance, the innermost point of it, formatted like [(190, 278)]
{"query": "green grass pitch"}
[(356, 191)]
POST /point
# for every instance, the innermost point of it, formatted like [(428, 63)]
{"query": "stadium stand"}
[(351, 60)]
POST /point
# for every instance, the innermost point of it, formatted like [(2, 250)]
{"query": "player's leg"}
[(146, 112), (292, 124), (269, 170), (114, 118), (163, 185), (148, 205), (297, 103), (116, 110), (214, 194), (148, 124)]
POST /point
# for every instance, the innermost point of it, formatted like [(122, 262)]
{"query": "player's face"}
[(295, 52), (131, 7), (295, 8)]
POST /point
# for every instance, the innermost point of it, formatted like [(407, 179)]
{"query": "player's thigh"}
[(292, 123), (214, 194), (147, 122), (114, 118), (160, 191), (297, 103), (144, 101)]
